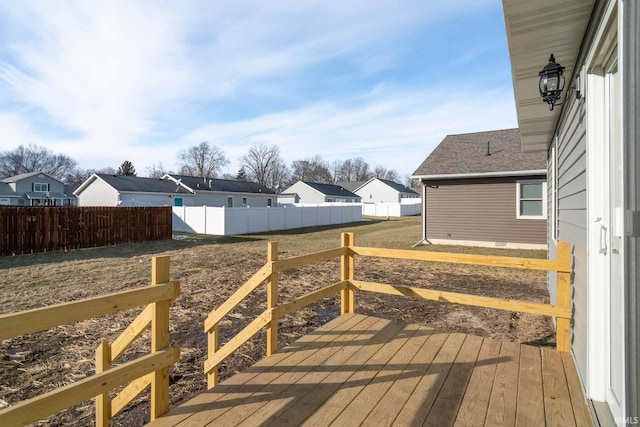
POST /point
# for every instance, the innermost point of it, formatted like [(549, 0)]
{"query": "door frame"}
[(606, 50)]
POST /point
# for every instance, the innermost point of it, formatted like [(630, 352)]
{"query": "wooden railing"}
[(152, 369), (347, 286)]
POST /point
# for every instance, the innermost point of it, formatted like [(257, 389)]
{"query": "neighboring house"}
[(314, 193), (591, 142), (121, 190), (378, 190), (480, 189), (35, 189), (225, 192)]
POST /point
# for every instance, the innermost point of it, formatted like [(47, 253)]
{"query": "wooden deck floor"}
[(359, 370)]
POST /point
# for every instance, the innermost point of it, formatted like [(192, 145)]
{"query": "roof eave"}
[(536, 29), (480, 174)]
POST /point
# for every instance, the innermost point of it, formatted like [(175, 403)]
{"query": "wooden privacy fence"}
[(348, 285), (25, 230), (150, 370)]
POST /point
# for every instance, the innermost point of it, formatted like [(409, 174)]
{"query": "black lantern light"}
[(551, 82)]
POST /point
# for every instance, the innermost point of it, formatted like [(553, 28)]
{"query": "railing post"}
[(272, 300), (563, 326), (213, 346), (103, 404), (347, 264), (160, 272)]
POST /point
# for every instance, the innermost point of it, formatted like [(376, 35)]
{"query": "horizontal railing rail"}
[(348, 285), (150, 370), (40, 319)]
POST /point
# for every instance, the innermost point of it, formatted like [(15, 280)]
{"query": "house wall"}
[(480, 209), (378, 192), (155, 199), (203, 198), (98, 193), (25, 185), (306, 193), (571, 218)]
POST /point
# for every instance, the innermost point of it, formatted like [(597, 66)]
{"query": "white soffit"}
[(536, 29)]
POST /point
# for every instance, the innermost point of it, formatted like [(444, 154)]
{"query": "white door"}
[(613, 233)]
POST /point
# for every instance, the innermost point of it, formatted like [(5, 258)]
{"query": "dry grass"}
[(210, 270)]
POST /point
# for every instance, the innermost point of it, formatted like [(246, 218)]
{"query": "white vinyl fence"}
[(392, 209), (225, 221)]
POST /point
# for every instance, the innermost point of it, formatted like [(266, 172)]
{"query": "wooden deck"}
[(359, 370)]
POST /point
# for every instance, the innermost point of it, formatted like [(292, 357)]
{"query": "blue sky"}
[(105, 82)]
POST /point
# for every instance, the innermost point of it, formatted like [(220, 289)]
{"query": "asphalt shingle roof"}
[(351, 185), (17, 178), (397, 186), (227, 185), (139, 184), (331, 189), (466, 153)]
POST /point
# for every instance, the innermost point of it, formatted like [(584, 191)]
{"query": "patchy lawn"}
[(210, 270)]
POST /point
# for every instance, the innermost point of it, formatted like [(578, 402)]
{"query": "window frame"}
[(544, 206), (229, 201), (45, 184)]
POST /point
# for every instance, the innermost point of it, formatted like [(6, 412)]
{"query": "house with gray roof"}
[(172, 190), (224, 192), (378, 190), (35, 189), (315, 193), (480, 189), (121, 190)]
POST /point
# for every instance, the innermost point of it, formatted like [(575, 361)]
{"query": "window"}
[(40, 187), (230, 201), (244, 201), (531, 199), (177, 201), (269, 202)]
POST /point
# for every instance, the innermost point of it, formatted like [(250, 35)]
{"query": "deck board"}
[(360, 370)]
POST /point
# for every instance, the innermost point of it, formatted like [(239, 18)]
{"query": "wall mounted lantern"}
[(551, 82)]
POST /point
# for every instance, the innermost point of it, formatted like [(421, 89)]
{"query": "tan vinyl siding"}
[(480, 209), (572, 219)]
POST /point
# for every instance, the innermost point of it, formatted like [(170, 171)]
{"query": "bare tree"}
[(388, 174), (202, 160), (314, 169), (361, 170), (78, 176), (34, 158), (261, 164), (280, 177), (380, 172), (346, 171), (335, 169), (157, 170)]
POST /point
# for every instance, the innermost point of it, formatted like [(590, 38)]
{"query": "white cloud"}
[(124, 79), (394, 129)]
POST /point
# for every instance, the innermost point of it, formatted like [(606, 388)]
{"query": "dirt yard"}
[(210, 270)]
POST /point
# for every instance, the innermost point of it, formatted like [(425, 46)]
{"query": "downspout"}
[(631, 171), (424, 240)]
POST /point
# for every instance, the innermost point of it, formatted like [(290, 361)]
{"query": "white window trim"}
[(46, 185), (544, 198), (229, 199)]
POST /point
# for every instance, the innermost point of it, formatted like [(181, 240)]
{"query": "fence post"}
[(272, 300), (160, 272), (213, 345), (347, 264), (103, 405), (563, 326)]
